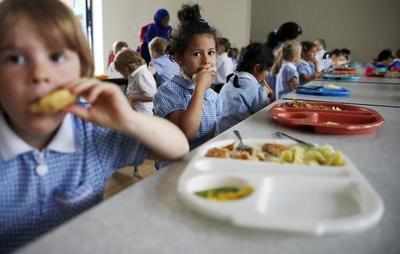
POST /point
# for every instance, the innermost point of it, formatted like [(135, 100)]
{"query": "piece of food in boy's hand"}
[(274, 149), (54, 102)]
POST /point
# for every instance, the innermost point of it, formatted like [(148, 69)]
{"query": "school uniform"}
[(42, 189), (165, 68), (224, 68), (395, 66), (319, 56), (112, 72), (287, 72), (305, 68), (239, 100), (176, 94), (141, 82)]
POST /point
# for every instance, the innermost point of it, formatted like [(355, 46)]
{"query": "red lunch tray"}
[(328, 118)]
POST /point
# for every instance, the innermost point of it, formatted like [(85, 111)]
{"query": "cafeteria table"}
[(148, 217), (361, 93), (364, 79)]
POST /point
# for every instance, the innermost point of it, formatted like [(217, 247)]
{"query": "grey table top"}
[(375, 80), (361, 94), (148, 217)]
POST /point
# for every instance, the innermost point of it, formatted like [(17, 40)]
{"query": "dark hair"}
[(307, 46), (384, 55), (398, 53), (191, 24), (287, 31), (233, 53), (224, 42), (253, 54)]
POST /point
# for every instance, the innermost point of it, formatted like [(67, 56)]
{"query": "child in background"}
[(55, 165), (247, 91), (395, 66), (287, 77), (381, 64), (307, 67), (224, 63), (141, 84), (161, 64), (234, 56), (323, 63), (338, 58), (117, 47), (187, 99)]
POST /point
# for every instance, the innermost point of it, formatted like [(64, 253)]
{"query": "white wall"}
[(364, 26), (122, 19)]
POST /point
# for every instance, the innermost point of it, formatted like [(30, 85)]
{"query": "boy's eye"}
[(15, 59), (196, 54), (211, 52), (57, 56)]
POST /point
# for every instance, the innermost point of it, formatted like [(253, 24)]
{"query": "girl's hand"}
[(205, 77), (108, 105)]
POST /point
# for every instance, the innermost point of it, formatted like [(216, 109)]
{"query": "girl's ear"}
[(257, 68)]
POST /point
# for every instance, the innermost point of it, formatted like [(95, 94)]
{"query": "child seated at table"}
[(246, 92), (161, 64), (381, 64), (141, 83), (187, 100), (111, 71), (287, 76), (55, 159), (339, 58), (395, 66), (307, 67)]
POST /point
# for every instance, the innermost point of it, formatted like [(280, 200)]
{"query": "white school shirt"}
[(112, 72), (141, 82), (287, 71), (224, 68)]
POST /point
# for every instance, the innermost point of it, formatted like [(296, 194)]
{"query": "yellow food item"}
[(324, 155), (54, 102), (226, 193)]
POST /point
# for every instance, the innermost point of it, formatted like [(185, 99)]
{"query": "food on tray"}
[(324, 155), (312, 106), (228, 193), (54, 102), (344, 71), (274, 149)]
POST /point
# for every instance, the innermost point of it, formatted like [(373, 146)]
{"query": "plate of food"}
[(278, 185), (326, 117), (323, 90), (341, 73)]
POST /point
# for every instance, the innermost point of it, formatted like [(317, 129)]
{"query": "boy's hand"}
[(205, 77), (108, 106)]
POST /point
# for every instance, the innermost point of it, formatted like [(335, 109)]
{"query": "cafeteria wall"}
[(364, 26), (122, 19)]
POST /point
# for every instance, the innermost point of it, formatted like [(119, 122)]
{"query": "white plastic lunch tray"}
[(315, 200)]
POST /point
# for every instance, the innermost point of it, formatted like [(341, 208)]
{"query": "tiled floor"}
[(124, 178)]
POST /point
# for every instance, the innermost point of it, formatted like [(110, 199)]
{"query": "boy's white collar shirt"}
[(11, 145)]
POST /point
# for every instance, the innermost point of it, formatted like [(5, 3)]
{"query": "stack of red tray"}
[(325, 117)]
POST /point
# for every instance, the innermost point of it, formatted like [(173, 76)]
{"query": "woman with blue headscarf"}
[(160, 28)]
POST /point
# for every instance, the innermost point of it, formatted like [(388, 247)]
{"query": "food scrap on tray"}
[(227, 193), (324, 155), (313, 106)]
